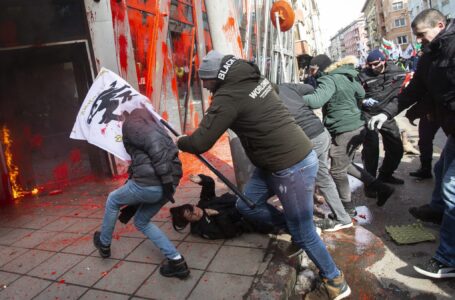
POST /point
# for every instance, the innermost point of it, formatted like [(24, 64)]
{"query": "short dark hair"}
[(179, 222), (429, 17)]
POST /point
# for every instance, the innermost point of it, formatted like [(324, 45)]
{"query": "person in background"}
[(433, 85), (154, 173), (382, 82), (286, 164), (292, 96), (339, 94)]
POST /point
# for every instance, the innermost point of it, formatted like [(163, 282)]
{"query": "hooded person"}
[(286, 165), (382, 82), (339, 94)]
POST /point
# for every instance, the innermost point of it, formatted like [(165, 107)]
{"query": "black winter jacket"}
[(291, 94), (382, 87), (247, 103), (154, 156), (433, 82)]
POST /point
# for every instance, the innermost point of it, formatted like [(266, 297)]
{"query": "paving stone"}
[(62, 210), (84, 226), (126, 277), (97, 214), (253, 240), (6, 278), (19, 220), (89, 271), (198, 255), (160, 287), (128, 230), (94, 294), (34, 239), (56, 266), (59, 241), (8, 253), (61, 224), (27, 261), (14, 235), (39, 222), (83, 246), (163, 215), (24, 288), (172, 234), (190, 238), (4, 230), (221, 286), (237, 260), (122, 247), (146, 252), (61, 291)]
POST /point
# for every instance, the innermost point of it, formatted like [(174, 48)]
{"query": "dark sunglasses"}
[(374, 64)]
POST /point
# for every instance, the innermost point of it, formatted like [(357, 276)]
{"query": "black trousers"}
[(393, 148), (427, 131)]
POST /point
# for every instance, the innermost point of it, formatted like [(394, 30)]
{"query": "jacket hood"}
[(234, 70), (344, 66)]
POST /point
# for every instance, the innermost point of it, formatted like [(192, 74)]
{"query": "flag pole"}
[(214, 170)]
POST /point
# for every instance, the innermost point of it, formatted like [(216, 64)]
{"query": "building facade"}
[(374, 22), (349, 40), (308, 37), (397, 22)]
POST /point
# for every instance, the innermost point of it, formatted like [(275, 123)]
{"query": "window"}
[(400, 22), (397, 5), (402, 39)]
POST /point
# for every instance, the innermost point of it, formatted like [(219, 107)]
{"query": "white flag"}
[(407, 54), (99, 120)]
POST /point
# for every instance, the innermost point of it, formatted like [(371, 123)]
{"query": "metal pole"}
[(214, 170), (280, 44), (266, 36)]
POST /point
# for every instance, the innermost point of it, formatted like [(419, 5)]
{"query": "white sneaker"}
[(330, 225)]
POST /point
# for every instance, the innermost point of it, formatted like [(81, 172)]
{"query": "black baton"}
[(214, 170)]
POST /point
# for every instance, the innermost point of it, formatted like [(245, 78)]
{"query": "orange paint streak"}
[(165, 115)]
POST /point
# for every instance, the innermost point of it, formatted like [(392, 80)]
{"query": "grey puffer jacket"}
[(154, 156)]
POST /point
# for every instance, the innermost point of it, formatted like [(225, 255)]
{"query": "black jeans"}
[(393, 148), (342, 152), (427, 131)]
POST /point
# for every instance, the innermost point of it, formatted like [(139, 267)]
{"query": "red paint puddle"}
[(61, 281)]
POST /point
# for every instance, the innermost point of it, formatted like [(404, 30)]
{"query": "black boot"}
[(175, 268), (422, 173), (427, 214), (105, 251), (390, 179), (383, 191)]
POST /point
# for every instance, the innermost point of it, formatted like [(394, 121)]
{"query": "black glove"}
[(127, 212), (168, 192)]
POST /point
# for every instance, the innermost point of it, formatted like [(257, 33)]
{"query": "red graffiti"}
[(165, 115), (123, 52)]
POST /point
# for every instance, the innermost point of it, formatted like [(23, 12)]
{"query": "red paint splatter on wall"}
[(174, 86), (36, 141), (165, 115), (123, 52), (61, 172)]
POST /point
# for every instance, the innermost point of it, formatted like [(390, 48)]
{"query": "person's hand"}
[(377, 121), (168, 192), (369, 102)]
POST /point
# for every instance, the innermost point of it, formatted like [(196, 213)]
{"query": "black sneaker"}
[(175, 268), (422, 174), (350, 211), (105, 251), (390, 179), (369, 193), (335, 289), (433, 268), (383, 191), (426, 213), (330, 225)]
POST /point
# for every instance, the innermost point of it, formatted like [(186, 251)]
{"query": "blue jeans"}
[(294, 187), (151, 200), (444, 199)]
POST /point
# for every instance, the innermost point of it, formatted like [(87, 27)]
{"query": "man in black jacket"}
[(382, 82), (292, 96), (285, 163), (434, 85), (154, 173)]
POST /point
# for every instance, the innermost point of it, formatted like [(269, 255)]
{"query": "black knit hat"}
[(322, 61)]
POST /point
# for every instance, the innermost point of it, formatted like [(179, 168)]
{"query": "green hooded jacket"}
[(340, 95)]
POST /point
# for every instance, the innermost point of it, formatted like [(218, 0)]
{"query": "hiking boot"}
[(390, 179), (175, 268), (330, 225), (422, 173), (434, 269), (105, 251), (426, 213), (383, 191), (335, 289)]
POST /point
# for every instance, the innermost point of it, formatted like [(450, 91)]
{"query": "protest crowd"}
[(295, 152)]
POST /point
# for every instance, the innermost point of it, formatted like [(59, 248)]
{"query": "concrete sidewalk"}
[(46, 252)]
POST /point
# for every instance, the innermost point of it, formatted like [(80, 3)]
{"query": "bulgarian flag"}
[(387, 47)]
